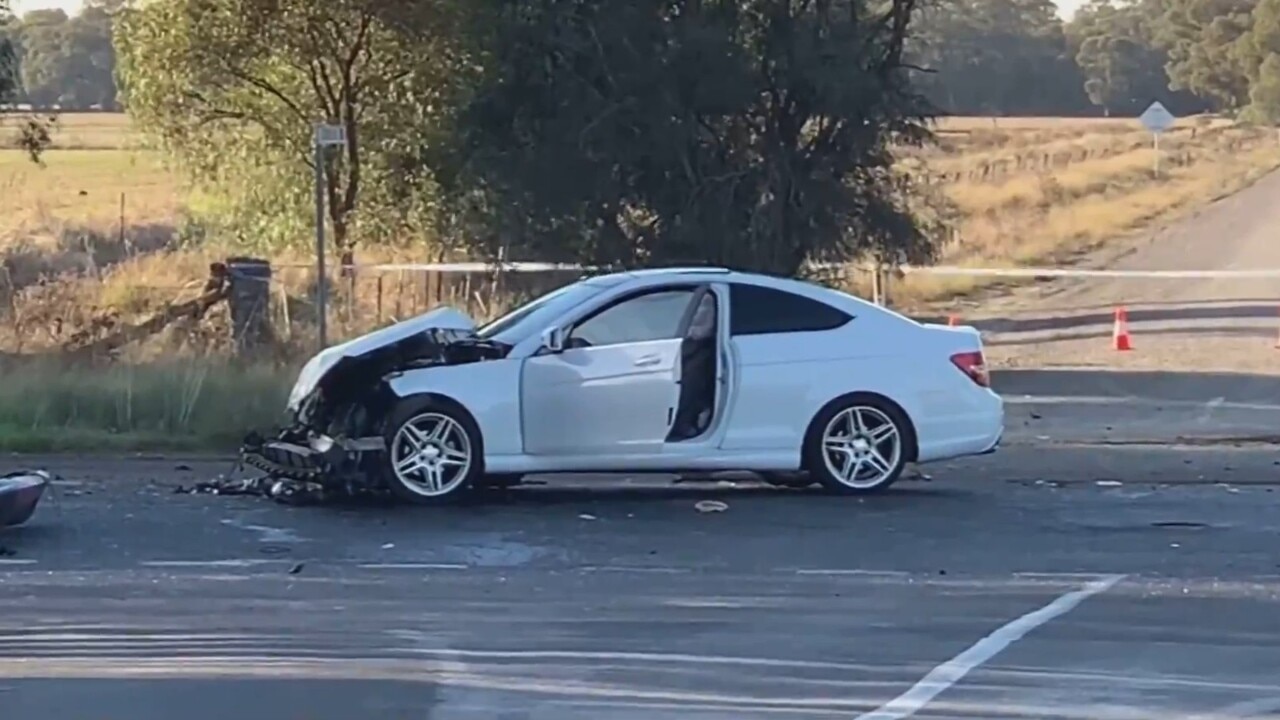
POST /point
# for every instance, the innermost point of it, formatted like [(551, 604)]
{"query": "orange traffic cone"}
[(1120, 336)]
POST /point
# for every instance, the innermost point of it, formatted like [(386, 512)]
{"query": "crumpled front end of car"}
[(335, 438)]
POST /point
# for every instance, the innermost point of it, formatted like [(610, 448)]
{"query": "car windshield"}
[(535, 315)]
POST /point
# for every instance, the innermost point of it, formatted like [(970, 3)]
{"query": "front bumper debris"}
[(20, 493), (306, 469)]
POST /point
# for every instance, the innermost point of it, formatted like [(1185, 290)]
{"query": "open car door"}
[(614, 388)]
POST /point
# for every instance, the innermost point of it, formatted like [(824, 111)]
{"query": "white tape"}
[(1080, 272), (956, 270)]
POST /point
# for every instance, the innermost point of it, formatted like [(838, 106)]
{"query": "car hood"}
[(445, 318)]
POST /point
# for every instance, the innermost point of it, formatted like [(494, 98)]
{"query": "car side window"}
[(756, 310), (651, 316)]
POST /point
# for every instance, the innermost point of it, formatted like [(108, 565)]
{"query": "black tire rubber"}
[(412, 406), (812, 453)]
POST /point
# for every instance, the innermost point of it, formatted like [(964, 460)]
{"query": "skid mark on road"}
[(952, 671)]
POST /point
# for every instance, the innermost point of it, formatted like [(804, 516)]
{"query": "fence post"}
[(249, 301)]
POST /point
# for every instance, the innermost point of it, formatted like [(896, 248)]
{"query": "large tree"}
[(233, 88), (1205, 40), (998, 57), (1122, 64), (750, 133)]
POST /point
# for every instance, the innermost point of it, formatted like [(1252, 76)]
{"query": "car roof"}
[(650, 276)]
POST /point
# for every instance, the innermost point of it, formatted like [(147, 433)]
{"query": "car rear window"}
[(758, 310)]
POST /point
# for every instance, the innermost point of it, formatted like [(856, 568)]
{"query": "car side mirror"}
[(553, 339)]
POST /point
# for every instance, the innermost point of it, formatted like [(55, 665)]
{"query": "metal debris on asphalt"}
[(710, 506), (587, 516), (20, 493)]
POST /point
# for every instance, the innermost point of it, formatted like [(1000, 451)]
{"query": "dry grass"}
[(1024, 190)]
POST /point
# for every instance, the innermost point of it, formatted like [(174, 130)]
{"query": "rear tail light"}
[(974, 365)]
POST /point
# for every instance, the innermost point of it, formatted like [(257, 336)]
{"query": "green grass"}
[(184, 406)]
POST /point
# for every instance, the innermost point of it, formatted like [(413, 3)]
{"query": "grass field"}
[(90, 236)]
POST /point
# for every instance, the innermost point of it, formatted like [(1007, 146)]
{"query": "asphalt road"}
[(1116, 560), (1047, 581)]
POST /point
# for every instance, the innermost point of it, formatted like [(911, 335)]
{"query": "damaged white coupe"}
[(670, 370)]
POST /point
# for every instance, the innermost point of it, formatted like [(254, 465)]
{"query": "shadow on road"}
[(1175, 312), (1261, 333), (1145, 384)]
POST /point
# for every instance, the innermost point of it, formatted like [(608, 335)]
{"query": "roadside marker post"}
[(326, 136), (1157, 119)]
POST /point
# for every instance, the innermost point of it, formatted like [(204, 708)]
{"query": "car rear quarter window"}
[(757, 310)]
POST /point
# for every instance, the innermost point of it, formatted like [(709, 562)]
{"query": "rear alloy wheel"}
[(433, 453), (858, 446)]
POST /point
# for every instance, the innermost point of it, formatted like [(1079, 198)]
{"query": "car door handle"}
[(648, 360)]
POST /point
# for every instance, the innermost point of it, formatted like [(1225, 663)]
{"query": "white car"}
[(667, 370)]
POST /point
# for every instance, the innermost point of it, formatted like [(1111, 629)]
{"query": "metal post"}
[(1157, 149), (326, 135), (321, 289)]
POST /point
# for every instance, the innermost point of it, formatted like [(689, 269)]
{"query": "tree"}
[(1264, 94), (233, 88), (1204, 41), (33, 132), (1123, 67), (748, 133), (996, 57)]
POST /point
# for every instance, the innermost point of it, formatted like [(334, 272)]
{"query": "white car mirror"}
[(553, 339)]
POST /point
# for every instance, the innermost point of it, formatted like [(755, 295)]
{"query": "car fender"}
[(489, 390)]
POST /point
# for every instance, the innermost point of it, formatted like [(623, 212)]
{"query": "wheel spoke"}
[(454, 454), (440, 431), (414, 438), (859, 425), (409, 465), (883, 433), (877, 461)]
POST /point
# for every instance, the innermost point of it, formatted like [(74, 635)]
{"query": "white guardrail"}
[(954, 270)]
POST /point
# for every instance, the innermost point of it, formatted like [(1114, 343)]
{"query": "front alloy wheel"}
[(432, 454)]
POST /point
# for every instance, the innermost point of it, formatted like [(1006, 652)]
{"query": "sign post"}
[(326, 136), (1157, 119)]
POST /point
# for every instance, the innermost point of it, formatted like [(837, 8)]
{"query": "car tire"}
[(858, 445), (434, 451)]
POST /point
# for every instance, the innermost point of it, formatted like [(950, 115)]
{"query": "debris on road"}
[(710, 506), (1108, 483), (20, 492), (587, 516)]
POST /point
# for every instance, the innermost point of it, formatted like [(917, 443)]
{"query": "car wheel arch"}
[(912, 447)]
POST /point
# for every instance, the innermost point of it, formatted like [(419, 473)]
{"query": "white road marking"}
[(17, 562), (1245, 709), (952, 671), (413, 566), (210, 563), (862, 573), (1214, 404), (635, 569)]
